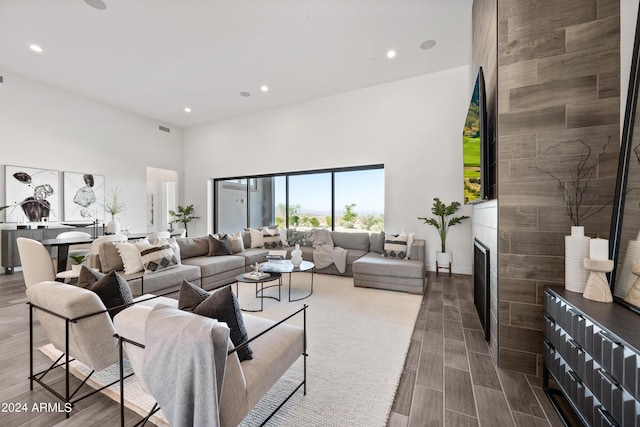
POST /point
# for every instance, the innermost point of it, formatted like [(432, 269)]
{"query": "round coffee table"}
[(259, 292), (285, 266)]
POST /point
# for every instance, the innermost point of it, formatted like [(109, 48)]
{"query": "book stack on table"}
[(256, 275)]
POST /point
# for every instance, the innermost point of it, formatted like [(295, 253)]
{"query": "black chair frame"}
[(69, 396)]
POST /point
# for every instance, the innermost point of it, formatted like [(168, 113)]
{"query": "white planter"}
[(576, 249), (444, 258), (76, 268), (113, 226)]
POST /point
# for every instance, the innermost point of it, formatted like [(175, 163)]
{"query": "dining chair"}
[(82, 249), (36, 262)]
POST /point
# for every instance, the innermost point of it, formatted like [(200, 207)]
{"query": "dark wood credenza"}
[(592, 351), (10, 258)]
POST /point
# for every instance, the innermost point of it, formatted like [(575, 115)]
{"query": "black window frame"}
[(287, 175)]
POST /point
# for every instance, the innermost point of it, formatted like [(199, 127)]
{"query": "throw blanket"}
[(324, 253), (184, 364)]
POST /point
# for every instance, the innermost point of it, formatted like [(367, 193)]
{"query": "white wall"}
[(44, 127), (412, 126)]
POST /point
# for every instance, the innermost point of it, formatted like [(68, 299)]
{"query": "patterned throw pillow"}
[(271, 238), (157, 258), (395, 245), (221, 305)]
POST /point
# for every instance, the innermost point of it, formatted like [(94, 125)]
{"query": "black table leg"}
[(63, 254)]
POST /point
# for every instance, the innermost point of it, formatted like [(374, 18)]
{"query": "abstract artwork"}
[(31, 194), (83, 197)]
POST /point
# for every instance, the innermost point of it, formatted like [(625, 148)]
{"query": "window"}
[(310, 200), (336, 199), (359, 200)]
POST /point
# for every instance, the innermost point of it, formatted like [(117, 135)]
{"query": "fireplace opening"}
[(481, 284)]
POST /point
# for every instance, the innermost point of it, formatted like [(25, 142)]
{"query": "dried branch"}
[(576, 189)]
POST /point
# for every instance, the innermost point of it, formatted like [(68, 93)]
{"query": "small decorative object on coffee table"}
[(296, 256)]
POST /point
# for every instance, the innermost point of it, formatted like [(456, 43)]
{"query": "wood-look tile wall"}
[(558, 84), (485, 215)]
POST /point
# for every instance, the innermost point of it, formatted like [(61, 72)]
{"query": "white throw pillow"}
[(237, 245), (256, 238), (283, 236), (410, 240), (130, 255)]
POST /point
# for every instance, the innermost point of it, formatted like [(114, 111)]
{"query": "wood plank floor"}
[(449, 377)]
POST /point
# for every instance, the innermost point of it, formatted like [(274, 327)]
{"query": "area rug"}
[(357, 343)]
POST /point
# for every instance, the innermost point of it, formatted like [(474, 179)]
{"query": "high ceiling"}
[(156, 57)]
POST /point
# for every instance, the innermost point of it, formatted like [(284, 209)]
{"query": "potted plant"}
[(76, 262), (114, 205), (184, 216), (443, 220)]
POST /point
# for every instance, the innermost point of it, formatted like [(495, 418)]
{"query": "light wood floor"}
[(449, 377)]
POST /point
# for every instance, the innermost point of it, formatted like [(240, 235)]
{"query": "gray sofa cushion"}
[(378, 265), (113, 291), (251, 256), (163, 280), (348, 240), (376, 242), (193, 246), (217, 264)]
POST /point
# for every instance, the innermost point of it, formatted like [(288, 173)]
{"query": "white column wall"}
[(413, 126)]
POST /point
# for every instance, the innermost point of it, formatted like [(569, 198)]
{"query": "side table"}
[(240, 278)]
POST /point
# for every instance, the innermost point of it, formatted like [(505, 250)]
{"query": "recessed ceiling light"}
[(245, 93), (35, 48), (427, 44), (187, 109), (391, 54), (96, 4), (264, 88)]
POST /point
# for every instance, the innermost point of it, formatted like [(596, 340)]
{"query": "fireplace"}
[(481, 284)]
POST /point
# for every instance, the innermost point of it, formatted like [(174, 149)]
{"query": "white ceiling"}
[(155, 57)]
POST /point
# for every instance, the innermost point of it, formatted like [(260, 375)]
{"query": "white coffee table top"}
[(285, 266)]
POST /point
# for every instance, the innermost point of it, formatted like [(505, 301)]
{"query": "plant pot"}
[(443, 261), (76, 268), (576, 249), (444, 258)]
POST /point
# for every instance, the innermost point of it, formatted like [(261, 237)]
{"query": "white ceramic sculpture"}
[(296, 256), (597, 287), (633, 296)]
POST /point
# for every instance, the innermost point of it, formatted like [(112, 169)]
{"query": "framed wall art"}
[(31, 194), (83, 197)]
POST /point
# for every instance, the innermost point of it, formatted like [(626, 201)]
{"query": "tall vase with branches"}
[(114, 205), (580, 205)]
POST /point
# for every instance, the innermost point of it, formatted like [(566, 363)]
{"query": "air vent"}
[(164, 129)]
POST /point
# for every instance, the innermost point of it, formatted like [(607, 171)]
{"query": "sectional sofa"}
[(365, 262)]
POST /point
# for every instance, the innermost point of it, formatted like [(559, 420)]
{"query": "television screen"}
[(473, 143)]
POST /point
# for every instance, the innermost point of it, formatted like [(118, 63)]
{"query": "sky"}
[(313, 191)]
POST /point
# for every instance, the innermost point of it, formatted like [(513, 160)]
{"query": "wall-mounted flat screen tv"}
[(474, 141)]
